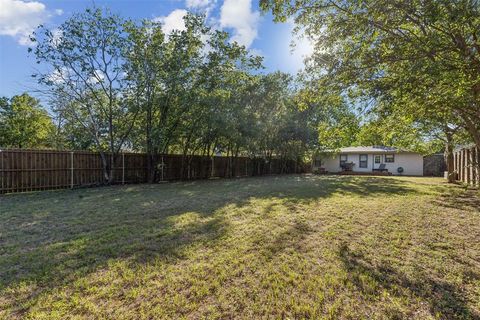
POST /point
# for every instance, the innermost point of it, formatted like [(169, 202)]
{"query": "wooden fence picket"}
[(29, 170), (467, 165)]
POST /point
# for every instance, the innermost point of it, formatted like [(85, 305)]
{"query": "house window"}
[(378, 159), (317, 163), (363, 161), (390, 158), (343, 159)]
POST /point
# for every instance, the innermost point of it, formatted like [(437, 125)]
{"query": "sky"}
[(241, 18)]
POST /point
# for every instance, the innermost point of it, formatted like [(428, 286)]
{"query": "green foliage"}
[(24, 123), (86, 78), (419, 58), (279, 126), (119, 84)]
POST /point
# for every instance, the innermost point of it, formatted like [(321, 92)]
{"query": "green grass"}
[(290, 247)]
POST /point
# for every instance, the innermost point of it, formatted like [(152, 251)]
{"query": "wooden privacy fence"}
[(28, 170), (467, 165)]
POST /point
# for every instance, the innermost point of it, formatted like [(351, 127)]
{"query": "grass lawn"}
[(290, 247)]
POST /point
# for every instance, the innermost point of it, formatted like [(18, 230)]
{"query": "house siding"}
[(412, 163)]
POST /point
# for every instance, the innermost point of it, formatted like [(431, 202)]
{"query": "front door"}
[(377, 161)]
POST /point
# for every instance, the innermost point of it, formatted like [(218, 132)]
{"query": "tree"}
[(24, 123), (117, 84), (280, 127), (86, 78), (162, 70), (185, 82), (423, 53)]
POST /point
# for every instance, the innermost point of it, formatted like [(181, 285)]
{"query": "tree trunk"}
[(150, 153), (111, 175), (104, 167)]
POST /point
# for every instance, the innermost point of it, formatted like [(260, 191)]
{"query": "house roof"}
[(370, 149)]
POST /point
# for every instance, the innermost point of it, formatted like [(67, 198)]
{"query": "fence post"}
[(459, 165), (123, 167), (465, 166), (468, 165), (477, 167), (455, 166), (474, 166), (162, 165), (455, 158), (246, 167), (71, 170), (213, 167)]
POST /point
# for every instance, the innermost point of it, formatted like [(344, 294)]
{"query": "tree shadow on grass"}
[(292, 237), (312, 187), (53, 238), (68, 249), (444, 299), (462, 199)]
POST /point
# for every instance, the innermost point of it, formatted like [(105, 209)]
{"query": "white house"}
[(369, 160)]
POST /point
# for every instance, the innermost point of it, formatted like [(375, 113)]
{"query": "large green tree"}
[(184, 82), (24, 123), (120, 84), (85, 76), (421, 58)]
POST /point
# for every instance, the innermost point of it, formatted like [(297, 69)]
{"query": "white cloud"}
[(194, 4), (18, 18), (57, 35), (174, 21), (97, 77), (59, 76), (238, 15), (256, 52), (64, 75), (205, 6)]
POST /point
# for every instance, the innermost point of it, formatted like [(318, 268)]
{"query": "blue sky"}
[(242, 18)]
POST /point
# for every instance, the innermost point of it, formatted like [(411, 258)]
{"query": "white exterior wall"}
[(331, 163), (412, 163)]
